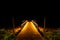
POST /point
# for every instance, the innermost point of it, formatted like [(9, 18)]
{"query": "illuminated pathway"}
[(29, 32)]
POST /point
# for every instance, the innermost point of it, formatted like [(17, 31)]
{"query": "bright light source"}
[(29, 31), (24, 27), (29, 28), (34, 28)]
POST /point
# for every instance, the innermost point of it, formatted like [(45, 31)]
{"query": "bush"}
[(52, 36)]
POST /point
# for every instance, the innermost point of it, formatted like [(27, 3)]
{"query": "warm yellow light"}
[(17, 29), (29, 28), (24, 27), (41, 29), (34, 28), (24, 23), (29, 31)]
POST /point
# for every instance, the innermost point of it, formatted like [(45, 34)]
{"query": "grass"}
[(7, 35), (52, 35)]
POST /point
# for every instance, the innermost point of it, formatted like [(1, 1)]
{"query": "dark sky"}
[(52, 21), (19, 13)]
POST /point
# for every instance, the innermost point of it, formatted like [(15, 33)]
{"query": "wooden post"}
[(44, 26), (44, 23), (13, 26)]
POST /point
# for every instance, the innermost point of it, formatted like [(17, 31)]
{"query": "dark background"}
[(52, 21), (30, 11)]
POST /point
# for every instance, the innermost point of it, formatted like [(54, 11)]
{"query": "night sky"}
[(52, 21), (30, 12)]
